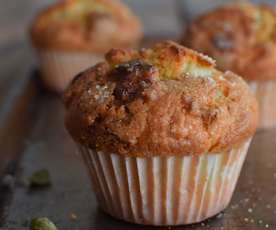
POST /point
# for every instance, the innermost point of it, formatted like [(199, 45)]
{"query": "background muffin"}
[(162, 132), (74, 34), (242, 38)]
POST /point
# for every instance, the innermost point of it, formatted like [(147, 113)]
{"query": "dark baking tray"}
[(33, 137)]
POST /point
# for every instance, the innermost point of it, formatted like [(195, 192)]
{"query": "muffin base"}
[(164, 191), (265, 92), (59, 68)]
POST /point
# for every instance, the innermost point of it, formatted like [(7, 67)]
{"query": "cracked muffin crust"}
[(241, 37), (165, 100), (86, 25)]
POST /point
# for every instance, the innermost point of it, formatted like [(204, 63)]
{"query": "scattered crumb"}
[(260, 221), (40, 178), (73, 216), (246, 219), (266, 226), (252, 221), (250, 210), (42, 224), (234, 206)]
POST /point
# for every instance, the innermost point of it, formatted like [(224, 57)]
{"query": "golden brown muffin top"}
[(241, 37), (165, 100), (86, 25)]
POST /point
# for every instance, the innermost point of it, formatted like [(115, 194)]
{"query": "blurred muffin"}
[(242, 38), (74, 34), (162, 132)]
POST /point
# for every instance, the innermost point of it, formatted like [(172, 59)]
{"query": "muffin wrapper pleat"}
[(59, 68), (265, 92), (164, 190)]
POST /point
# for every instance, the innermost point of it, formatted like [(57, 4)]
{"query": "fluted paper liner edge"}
[(59, 68), (265, 92), (168, 190)]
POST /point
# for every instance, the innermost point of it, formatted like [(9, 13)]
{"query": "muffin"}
[(162, 132), (242, 38), (72, 35)]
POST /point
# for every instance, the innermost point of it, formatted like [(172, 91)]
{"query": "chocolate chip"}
[(132, 79)]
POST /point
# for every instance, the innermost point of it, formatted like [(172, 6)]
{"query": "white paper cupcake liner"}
[(266, 95), (164, 190), (59, 68)]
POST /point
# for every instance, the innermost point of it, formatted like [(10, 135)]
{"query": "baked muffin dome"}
[(86, 25), (165, 100), (241, 37)]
